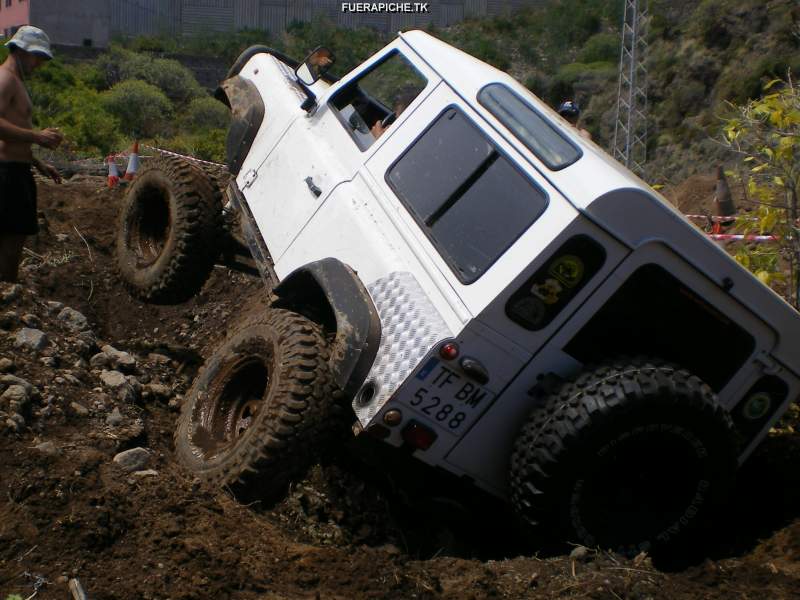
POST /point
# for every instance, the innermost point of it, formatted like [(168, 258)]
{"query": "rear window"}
[(531, 128), (470, 200)]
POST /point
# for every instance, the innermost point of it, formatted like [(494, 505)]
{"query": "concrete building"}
[(94, 22)]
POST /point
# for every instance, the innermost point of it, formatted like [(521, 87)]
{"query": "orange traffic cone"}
[(113, 172), (133, 162)]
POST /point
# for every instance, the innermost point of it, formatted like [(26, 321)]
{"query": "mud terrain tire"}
[(168, 232), (260, 406), (628, 457)]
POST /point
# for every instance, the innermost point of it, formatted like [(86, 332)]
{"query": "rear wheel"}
[(260, 406), (631, 456), (167, 238)]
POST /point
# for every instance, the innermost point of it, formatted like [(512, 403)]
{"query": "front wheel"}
[(629, 457), (260, 405)]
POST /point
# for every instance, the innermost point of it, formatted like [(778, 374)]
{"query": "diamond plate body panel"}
[(410, 326)]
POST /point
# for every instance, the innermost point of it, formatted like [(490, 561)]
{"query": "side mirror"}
[(314, 66)]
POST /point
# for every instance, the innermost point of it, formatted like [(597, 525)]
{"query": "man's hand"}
[(49, 138), (377, 129), (48, 170)]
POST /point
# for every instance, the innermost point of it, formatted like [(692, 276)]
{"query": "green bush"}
[(206, 145), (171, 77), (87, 126), (206, 113), (601, 47), (142, 109)]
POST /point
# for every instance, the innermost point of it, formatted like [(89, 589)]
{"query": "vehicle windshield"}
[(531, 128)]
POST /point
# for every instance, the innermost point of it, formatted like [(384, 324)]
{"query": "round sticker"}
[(757, 406), (568, 269)]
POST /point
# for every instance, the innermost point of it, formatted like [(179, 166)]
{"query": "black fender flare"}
[(330, 286)]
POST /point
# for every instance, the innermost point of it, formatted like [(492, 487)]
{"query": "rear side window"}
[(531, 128), (468, 197)]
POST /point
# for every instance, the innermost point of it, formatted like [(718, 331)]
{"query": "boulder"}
[(31, 339)]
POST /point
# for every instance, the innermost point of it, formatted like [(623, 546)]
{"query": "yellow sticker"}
[(568, 269)]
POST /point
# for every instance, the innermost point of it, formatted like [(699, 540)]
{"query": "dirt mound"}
[(87, 373)]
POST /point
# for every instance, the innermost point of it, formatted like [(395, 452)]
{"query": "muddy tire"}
[(168, 232), (631, 456), (260, 406)]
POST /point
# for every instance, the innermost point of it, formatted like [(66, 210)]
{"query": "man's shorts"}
[(17, 199)]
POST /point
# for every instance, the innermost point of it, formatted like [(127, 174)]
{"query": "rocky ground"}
[(90, 385)]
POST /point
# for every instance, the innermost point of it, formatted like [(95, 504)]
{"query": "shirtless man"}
[(29, 48)]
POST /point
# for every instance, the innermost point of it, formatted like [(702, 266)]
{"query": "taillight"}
[(449, 351), (418, 436)]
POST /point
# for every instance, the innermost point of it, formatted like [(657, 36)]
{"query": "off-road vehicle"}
[(488, 290)]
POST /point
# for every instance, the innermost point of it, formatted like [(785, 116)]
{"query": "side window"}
[(369, 105), (469, 198)]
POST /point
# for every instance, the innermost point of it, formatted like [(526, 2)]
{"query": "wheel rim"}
[(150, 224), (645, 486), (230, 406)]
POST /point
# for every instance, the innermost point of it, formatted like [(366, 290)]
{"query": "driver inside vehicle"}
[(402, 99)]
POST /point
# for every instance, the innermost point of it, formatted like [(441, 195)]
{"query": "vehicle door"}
[(356, 117)]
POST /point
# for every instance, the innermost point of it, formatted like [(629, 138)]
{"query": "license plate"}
[(445, 397)]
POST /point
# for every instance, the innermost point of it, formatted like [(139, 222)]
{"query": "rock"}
[(118, 359), (145, 473), (73, 319), (62, 237), (30, 389), (113, 379), (157, 390), (54, 306), (579, 553), (115, 419), (134, 459), (158, 359), (6, 365), (10, 292), (79, 409), (49, 361), (12, 425), (31, 339), (31, 320), (72, 379), (48, 448), (99, 360), (15, 393)]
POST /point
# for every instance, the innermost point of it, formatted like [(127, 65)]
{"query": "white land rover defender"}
[(485, 287)]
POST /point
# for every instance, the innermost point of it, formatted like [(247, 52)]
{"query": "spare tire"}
[(167, 237), (261, 406), (632, 456)]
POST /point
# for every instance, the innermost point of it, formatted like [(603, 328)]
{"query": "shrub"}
[(88, 127), (206, 145), (171, 77), (601, 47), (206, 113), (142, 109)]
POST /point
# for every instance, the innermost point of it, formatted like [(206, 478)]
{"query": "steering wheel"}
[(388, 120)]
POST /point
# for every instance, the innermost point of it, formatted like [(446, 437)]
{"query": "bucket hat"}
[(31, 39)]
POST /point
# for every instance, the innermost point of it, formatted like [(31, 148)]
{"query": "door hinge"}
[(250, 177), (770, 366)]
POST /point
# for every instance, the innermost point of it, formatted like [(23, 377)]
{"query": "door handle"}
[(313, 187)]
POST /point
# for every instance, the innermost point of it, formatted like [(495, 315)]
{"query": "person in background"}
[(570, 110), (29, 49)]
